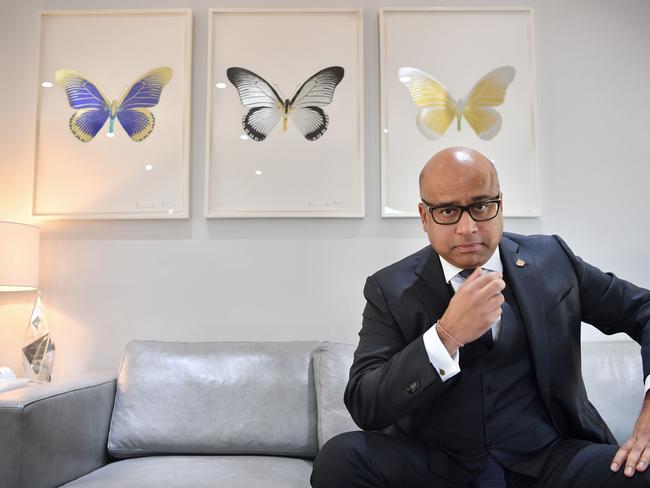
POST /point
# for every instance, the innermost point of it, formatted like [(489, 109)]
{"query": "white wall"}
[(105, 283)]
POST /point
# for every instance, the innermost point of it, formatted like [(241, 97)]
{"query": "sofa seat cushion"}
[(199, 472)]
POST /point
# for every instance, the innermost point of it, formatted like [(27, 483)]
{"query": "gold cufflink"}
[(442, 372), (520, 262)]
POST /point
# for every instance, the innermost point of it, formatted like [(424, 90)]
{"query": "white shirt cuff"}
[(647, 383), (446, 366)]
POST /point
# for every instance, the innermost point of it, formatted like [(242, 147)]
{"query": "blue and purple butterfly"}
[(94, 108)]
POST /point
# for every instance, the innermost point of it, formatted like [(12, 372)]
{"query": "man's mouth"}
[(467, 247)]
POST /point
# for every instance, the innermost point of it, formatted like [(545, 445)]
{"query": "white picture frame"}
[(285, 175), (457, 47), (116, 177)]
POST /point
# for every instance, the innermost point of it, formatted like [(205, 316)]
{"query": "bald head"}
[(455, 163), (461, 182)]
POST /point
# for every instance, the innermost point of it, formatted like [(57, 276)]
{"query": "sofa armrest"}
[(53, 433)]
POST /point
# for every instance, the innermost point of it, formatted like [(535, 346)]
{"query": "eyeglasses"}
[(451, 214)]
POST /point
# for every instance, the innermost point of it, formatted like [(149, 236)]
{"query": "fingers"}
[(644, 460), (475, 306), (493, 287), (637, 459), (621, 455), (634, 456), (485, 292), (478, 281)]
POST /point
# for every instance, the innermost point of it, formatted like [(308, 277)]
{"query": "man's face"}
[(466, 244)]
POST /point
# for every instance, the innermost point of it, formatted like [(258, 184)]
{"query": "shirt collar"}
[(493, 264)]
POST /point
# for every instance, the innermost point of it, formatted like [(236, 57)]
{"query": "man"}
[(467, 371)]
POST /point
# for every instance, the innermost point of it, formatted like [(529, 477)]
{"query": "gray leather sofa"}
[(219, 415)]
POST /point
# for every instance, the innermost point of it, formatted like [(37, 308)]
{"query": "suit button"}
[(413, 387), (489, 445), (489, 419), (489, 390)]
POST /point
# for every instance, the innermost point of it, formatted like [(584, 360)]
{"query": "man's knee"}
[(336, 460), (372, 460), (593, 469)]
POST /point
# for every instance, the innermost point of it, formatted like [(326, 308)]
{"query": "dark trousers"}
[(375, 460)]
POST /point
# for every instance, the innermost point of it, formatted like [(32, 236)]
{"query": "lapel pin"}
[(520, 262)]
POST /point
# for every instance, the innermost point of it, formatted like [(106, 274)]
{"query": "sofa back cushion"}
[(612, 373), (332, 363), (215, 398), (613, 377)]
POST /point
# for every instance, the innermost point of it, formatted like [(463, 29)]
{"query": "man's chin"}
[(469, 260)]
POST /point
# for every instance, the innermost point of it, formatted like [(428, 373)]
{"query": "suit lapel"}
[(431, 287), (523, 277)]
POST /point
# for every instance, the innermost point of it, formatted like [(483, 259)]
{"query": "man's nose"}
[(466, 224)]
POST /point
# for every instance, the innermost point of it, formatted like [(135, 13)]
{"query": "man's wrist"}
[(446, 364), (450, 342)]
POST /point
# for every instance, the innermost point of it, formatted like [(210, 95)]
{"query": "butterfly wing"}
[(137, 121), (93, 108), (316, 92), (311, 121), (257, 94), (258, 122), (437, 106), (490, 91), (87, 122), (253, 90)]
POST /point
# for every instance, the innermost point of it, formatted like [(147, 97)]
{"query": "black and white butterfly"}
[(267, 107)]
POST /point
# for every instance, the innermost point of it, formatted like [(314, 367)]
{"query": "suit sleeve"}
[(613, 305), (390, 377)]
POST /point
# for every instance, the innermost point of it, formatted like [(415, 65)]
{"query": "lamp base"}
[(38, 347), (8, 385), (8, 380)]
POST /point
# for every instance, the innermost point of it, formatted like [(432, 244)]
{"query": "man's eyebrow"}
[(477, 198), (481, 198), (444, 204)]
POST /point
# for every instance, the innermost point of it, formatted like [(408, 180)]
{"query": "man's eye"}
[(480, 207), (446, 211)]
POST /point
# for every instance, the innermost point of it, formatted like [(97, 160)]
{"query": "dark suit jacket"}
[(392, 381)]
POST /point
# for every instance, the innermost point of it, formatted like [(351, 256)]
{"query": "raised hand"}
[(472, 310)]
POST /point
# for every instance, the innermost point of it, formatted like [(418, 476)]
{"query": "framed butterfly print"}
[(457, 77), (285, 113), (112, 129)]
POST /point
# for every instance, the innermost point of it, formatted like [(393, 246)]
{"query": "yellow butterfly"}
[(438, 108)]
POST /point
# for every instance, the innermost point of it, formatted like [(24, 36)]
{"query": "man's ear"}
[(424, 214)]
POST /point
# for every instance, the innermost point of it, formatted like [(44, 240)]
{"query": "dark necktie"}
[(492, 474), (487, 338)]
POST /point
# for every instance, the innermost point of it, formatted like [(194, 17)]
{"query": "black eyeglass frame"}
[(464, 208)]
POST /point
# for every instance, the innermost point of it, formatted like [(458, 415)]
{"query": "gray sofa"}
[(219, 415)]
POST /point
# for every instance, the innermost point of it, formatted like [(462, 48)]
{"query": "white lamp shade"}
[(18, 256)]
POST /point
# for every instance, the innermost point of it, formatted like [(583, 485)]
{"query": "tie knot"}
[(466, 272)]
